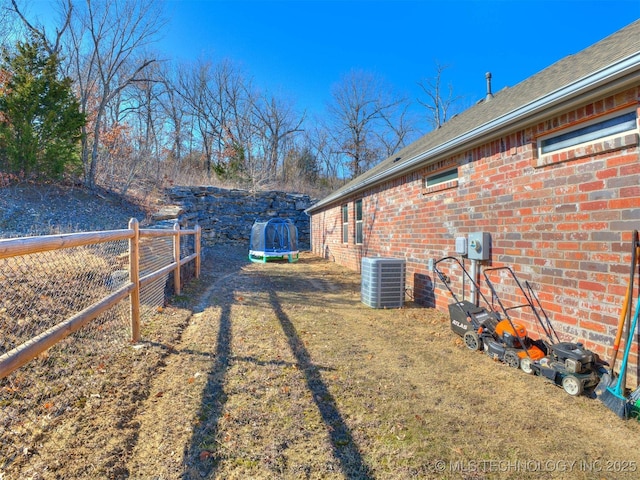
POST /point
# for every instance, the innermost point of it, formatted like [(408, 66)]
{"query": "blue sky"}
[(299, 48)]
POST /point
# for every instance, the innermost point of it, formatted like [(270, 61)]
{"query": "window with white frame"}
[(345, 223), (596, 130), (358, 215)]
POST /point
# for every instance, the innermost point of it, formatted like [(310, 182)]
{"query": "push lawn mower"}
[(565, 363), (511, 344), (570, 365), (482, 327), (472, 322)]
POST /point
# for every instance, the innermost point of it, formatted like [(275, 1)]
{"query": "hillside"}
[(29, 209)]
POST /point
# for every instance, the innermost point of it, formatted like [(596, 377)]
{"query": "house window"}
[(345, 223), (358, 212), (589, 133), (441, 177)]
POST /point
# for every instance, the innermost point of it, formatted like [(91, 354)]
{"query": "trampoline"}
[(275, 239)]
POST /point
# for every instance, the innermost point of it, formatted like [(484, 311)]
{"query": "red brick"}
[(597, 205), (591, 186), (621, 160), (594, 286), (629, 202), (631, 192), (568, 246), (608, 173), (594, 326)]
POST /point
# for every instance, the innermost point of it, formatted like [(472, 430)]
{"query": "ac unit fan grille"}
[(383, 282)]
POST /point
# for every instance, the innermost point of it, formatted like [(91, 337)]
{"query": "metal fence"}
[(69, 303)]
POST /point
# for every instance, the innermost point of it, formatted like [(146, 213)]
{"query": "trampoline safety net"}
[(276, 238)]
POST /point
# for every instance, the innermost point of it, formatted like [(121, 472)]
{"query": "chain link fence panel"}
[(39, 291), (155, 254)]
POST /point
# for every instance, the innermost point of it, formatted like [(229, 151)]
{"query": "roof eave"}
[(613, 77)]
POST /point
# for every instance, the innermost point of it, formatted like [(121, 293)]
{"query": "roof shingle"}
[(620, 45)]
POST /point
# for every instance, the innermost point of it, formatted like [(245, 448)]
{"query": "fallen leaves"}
[(205, 454)]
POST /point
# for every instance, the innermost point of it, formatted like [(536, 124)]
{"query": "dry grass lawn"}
[(278, 371)]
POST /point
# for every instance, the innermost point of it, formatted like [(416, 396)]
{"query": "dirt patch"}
[(278, 370)]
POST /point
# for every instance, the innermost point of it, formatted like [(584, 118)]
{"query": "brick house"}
[(550, 168)]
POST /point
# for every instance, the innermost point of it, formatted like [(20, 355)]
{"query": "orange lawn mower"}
[(482, 328), (511, 344), (566, 364)]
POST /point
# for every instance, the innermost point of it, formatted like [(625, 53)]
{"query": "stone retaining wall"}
[(226, 215)]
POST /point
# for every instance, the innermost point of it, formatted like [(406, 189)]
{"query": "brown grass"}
[(41, 290), (278, 370)]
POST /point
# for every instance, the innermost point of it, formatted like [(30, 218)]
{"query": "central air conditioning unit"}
[(383, 282)]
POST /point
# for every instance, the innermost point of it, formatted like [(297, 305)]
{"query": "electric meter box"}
[(461, 245), (479, 246)]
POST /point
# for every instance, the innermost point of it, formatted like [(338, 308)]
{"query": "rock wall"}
[(226, 215)]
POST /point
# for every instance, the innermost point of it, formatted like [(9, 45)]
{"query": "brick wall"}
[(563, 222)]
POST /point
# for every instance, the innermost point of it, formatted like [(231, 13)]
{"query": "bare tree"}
[(438, 105), (175, 114), (52, 45), (106, 55), (140, 109), (276, 123), (399, 132), (361, 109), (218, 100), (8, 23), (235, 98), (192, 87), (240, 135), (330, 164)]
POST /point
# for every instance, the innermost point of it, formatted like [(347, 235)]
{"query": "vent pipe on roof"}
[(489, 94)]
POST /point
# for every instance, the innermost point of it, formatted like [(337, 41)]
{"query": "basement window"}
[(442, 180), (589, 133), (358, 212), (345, 223), (441, 177)]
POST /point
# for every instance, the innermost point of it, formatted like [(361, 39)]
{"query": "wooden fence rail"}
[(15, 247)]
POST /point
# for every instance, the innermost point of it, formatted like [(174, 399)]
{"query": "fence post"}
[(134, 276), (197, 244), (176, 257)]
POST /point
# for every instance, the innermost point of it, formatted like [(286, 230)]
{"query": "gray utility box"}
[(383, 281), (479, 247)]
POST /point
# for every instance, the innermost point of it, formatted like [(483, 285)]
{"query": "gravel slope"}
[(28, 209)]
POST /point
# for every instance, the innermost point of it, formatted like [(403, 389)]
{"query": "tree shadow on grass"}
[(345, 450), (199, 464), (214, 399)]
